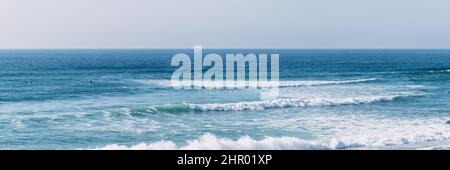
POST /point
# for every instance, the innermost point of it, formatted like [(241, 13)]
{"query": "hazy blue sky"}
[(225, 23)]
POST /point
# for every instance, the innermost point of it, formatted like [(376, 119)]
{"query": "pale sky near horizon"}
[(225, 23)]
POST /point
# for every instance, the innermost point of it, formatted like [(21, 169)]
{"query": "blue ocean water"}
[(120, 99)]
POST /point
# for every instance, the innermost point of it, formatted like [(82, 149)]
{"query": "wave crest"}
[(212, 142), (265, 84), (284, 103), (321, 82), (440, 71)]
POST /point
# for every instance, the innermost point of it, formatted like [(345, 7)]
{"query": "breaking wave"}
[(266, 84), (440, 71), (279, 103), (320, 82), (212, 142)]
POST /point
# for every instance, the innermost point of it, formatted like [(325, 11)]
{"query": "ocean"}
[(120, 99)]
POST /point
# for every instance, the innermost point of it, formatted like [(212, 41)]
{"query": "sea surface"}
[(121, 99)]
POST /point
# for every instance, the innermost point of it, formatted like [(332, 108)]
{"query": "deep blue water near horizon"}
[(120, 99)]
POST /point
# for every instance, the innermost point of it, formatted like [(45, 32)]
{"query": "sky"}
[(225, 23)]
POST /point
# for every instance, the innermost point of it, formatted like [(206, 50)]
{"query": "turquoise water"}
[(120, 99)]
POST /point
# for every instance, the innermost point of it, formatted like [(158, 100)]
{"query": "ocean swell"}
[(279, 103), (284, 103), (263, 84), (212, 142)]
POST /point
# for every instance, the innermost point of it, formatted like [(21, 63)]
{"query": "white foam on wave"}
[(437, 147), (263, 84), (394, 136), (321, 82), (301, 102), (211, 142), (416, 86), (439, 71)]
